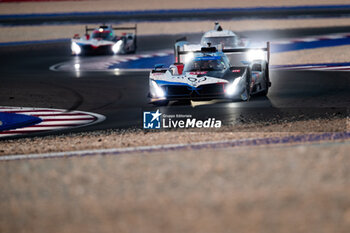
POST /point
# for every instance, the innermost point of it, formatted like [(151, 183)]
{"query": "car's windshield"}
[(105, 35), (206, 63), (226, 41)]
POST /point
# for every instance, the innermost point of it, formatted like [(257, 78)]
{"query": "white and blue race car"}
[(103, 40), (218, 37), (226, 38), (207, 74)]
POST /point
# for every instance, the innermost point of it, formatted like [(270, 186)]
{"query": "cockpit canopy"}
[(206, 63), (103, 33), (226, 41)]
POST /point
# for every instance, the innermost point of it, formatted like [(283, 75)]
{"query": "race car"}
[(218, 37), (226, 38), (207, 74), (103, 40)]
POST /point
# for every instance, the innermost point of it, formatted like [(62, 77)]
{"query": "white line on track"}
[(106, 151), (336, 137)]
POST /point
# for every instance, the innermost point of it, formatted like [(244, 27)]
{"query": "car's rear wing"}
[(126, 28), (245, 50), (266, 49), (87, 29)]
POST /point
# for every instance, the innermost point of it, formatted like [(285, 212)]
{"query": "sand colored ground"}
[(25, 33), (334, 54), (293, 189), (311, 56), (133, 138), (122, 5)]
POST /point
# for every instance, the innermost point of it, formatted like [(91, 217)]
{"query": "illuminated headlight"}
[(232, 88), (75, 48), (255, 54), (117, 46), (156, 90), (189, 57)]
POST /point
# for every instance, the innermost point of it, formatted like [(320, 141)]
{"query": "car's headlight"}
[(156, 90), (75, 48), (189, 57), (117, 46), (255, 54), (232, 88)]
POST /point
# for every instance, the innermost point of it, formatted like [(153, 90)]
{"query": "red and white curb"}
[(314, 68), (313, 38), (52, 120)]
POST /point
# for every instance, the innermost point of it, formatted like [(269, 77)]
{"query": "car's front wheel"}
[(245, 96)]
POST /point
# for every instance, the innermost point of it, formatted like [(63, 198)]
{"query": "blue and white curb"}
[(135, 62), (50, 120), (13, 120)]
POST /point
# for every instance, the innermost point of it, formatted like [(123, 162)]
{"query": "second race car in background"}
[(104, 40), (226, 38)]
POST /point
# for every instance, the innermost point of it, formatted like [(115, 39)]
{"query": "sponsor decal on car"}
[(198, 73), (236, 71), (196, 80)]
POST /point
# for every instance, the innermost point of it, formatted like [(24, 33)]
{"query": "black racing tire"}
[(267, 81), (247, 88)]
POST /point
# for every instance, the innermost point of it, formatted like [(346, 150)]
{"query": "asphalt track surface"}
[(27, 81)]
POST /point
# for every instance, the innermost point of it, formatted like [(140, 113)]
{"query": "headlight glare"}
[(189, 57), (75, 48), (117, 46), (232, 88), (255, 54), (156, 90)]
